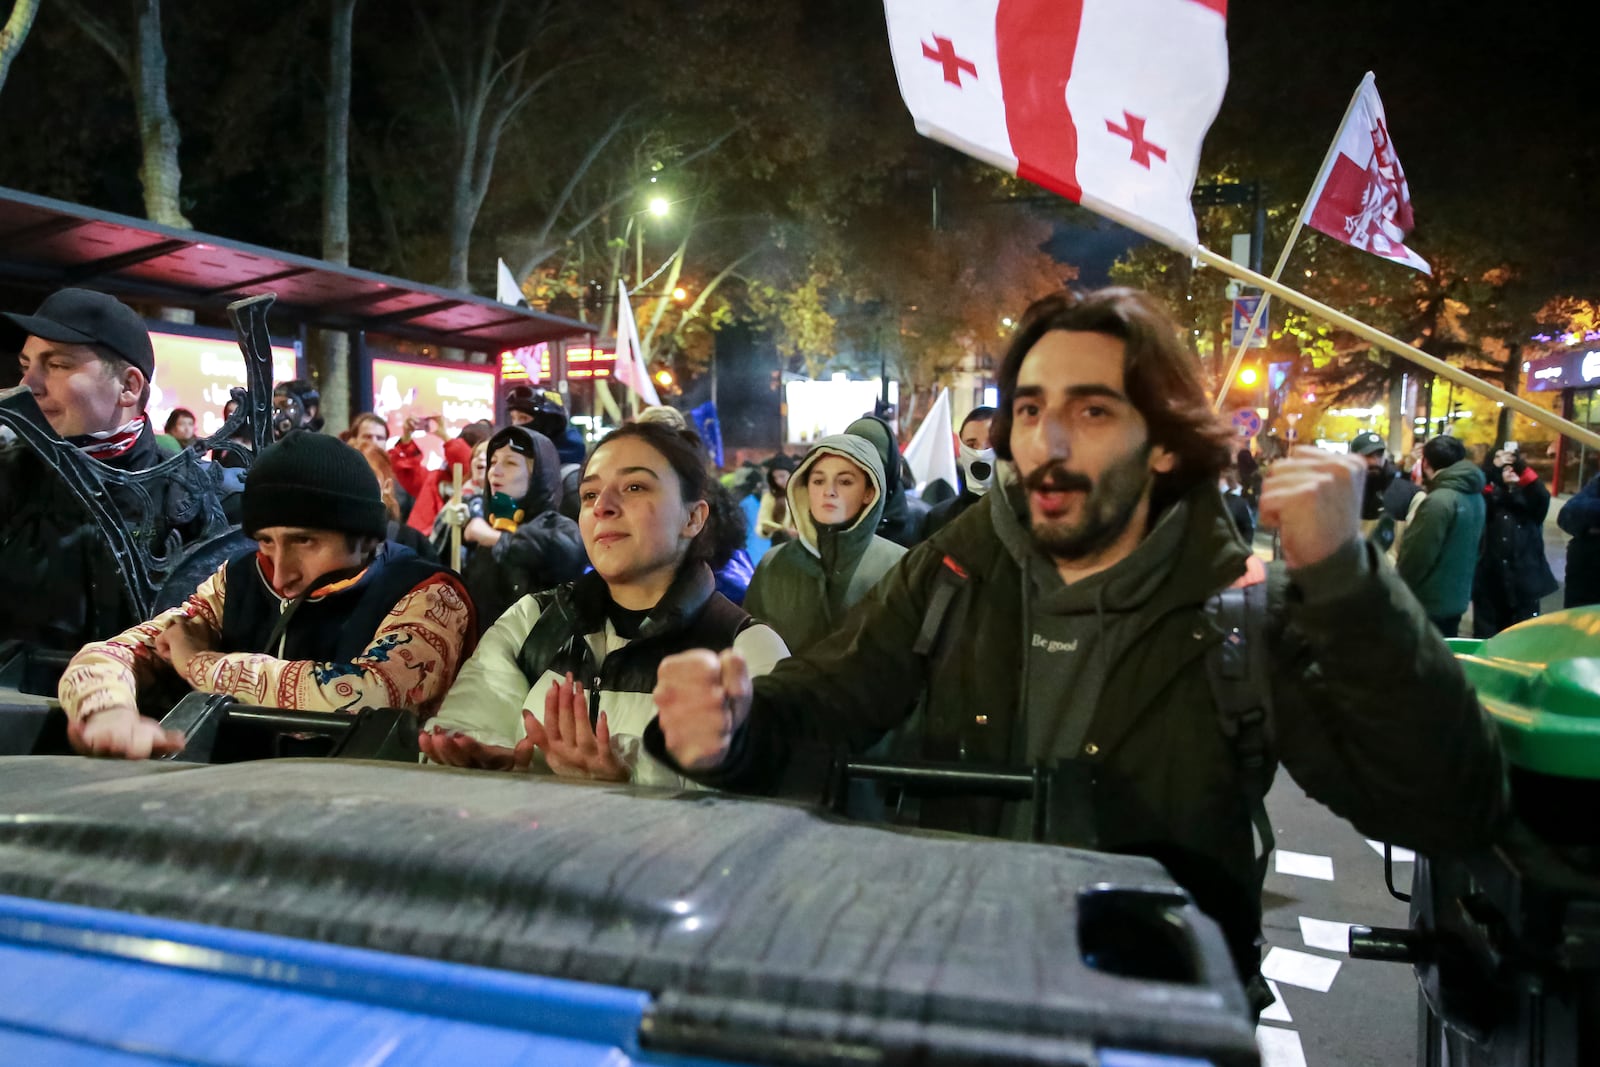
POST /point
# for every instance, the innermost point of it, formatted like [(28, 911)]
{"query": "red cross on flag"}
[(1103, 101), (1361, 196)]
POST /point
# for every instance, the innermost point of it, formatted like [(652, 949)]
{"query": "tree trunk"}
[(1510, 382), (14, 33), (333, 368), (336, 152), (463, 215), (158, 130)]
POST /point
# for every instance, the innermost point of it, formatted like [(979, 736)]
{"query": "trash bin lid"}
[(759, 930), (1540, 681)]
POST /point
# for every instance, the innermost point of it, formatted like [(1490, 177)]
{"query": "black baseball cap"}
[(1367, 443), (85, 317)]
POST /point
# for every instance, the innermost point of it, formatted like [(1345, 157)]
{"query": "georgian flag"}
[(1103, 101), (1361, 196)]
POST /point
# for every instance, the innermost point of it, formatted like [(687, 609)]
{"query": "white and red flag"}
[(1361, 196), (1103, 101), (630, 368)]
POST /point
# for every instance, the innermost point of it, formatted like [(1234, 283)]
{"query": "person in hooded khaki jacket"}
[(804, 588)]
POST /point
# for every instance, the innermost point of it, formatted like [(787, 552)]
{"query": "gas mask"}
[(977, 468)]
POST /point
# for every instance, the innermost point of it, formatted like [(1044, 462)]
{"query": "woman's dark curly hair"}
[(1161, 378)]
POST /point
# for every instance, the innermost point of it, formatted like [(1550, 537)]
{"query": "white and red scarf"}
[(111, 443)]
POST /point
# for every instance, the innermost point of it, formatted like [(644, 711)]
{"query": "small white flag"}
[(507, 291), (932, 451), (630, 368)]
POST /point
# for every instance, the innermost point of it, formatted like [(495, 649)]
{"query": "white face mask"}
[(977, 467)]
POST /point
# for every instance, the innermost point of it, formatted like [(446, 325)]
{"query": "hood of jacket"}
[(1464, 476), (544, 479), (881, 436), (853, 539)]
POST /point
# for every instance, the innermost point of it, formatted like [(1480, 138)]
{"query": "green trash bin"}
[(1506, 944), (1540, 681)]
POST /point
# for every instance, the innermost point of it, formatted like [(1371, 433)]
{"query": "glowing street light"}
[(659, 206), (663, 377), (680, 294), (1248, 376)]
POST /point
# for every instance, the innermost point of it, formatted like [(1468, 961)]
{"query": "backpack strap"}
[(949, 580), (1241, 690)]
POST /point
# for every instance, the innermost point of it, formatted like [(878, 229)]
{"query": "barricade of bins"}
[(1506, 945)]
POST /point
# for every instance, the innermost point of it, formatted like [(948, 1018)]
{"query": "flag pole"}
[(455, 531), (1398, 347), (1294, 235)]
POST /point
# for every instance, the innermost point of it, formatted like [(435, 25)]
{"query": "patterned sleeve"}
[(107, 674), (410, 663)]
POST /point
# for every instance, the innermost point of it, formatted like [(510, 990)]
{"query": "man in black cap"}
[(324, 616), (88, 362), (1378, 498)]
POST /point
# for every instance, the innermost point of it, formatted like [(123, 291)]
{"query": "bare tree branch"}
[(108, 37), (15, 33)]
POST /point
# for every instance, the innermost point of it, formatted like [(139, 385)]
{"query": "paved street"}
[(1367, 1015), (1334, 1011)]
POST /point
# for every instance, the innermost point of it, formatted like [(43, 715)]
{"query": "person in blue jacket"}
[(1580, 519)]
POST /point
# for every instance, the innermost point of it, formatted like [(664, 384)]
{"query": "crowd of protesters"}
[(626, 612), (1465, 534)]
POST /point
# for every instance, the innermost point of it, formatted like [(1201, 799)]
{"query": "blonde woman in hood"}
[(804, 588)]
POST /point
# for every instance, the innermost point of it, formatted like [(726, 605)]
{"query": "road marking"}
[(1303, 865), (1328, 936), (1279, 1048), (1277, 1011), (1401, 855), (1300, 969)]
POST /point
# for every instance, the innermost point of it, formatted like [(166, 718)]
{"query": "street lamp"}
[(660, 207)]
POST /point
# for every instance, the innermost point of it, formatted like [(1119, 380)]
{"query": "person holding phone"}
[(1513, 573)]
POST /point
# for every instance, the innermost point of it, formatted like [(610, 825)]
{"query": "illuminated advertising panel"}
[(197, 373), (1564, 370), (454, 394), (585, 361)]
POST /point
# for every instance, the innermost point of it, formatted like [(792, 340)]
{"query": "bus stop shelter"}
[(48, 244)]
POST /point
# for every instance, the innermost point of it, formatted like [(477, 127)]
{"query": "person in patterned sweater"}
[(324, 616)]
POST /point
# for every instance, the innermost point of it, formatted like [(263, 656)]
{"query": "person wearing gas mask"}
[(296, 405), (976, 460)]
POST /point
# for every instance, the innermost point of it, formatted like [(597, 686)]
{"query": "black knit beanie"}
[(314, 482)]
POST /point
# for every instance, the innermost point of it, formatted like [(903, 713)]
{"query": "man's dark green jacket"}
[(1370, 712), (1439, 551)]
